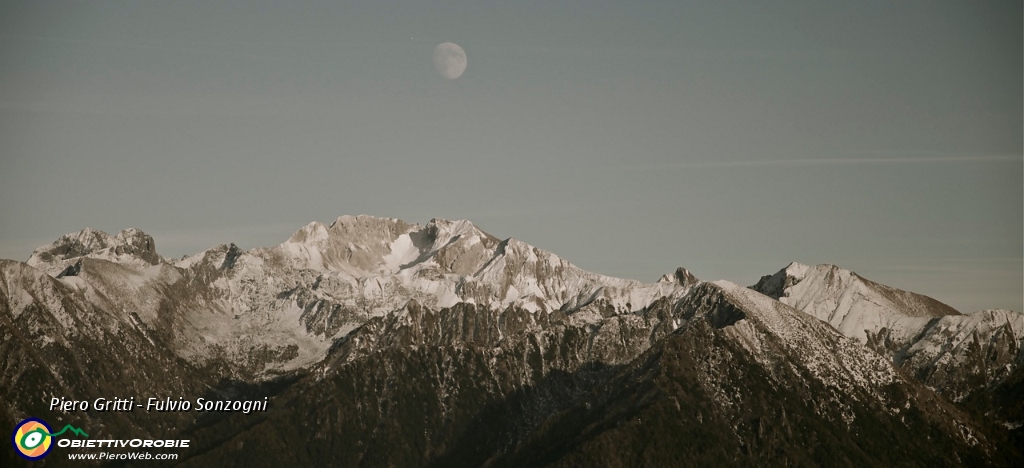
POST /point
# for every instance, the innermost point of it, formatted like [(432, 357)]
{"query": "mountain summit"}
[(130, 243)]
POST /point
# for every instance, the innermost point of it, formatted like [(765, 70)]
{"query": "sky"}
[(628, 137)]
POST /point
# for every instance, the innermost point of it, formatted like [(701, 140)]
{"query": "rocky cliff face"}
[(382, 342)]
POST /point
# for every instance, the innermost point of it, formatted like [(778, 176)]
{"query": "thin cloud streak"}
[(207, 49), (948, 269), (995, 158)]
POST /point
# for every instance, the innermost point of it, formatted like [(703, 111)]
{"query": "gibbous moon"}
[(449, 60)]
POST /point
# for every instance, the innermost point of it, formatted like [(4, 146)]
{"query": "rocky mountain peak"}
[(443, 231), (777, 285), (681, 277), (131, 242), (361, 225), (311, 233), (829, 285), (71, 245), (456, 227), (134, 242), (364, 246)]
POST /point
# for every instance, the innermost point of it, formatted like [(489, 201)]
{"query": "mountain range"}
[(385, 343)]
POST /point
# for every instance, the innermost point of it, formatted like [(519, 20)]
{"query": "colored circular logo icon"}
[(32, 439)]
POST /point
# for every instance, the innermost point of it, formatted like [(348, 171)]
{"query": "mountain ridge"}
[(459, 327)]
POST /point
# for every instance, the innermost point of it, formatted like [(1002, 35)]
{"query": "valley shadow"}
[(238, 390), (504, 425), (213, 428)]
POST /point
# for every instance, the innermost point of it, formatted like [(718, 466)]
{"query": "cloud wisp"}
[(840, 161)]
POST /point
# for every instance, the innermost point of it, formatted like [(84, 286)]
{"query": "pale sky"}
[(628, 137)]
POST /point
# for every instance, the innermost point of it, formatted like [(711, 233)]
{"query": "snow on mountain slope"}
[(376, 265), (834, 359), (272, 310), (275, 309), (54, 342), (853, 305), (364, 297), (129, 245), (741, 379), (840, 373), (957, 354), (960, 354)]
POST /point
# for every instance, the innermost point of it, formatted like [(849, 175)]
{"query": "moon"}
[(449, 60)]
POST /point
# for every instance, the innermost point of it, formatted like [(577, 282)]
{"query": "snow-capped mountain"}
[(855, 306), (280, 308), (956, 354), (385, 331), (128, 246), (385, 262)]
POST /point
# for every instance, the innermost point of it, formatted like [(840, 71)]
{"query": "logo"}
[(33, 440)]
